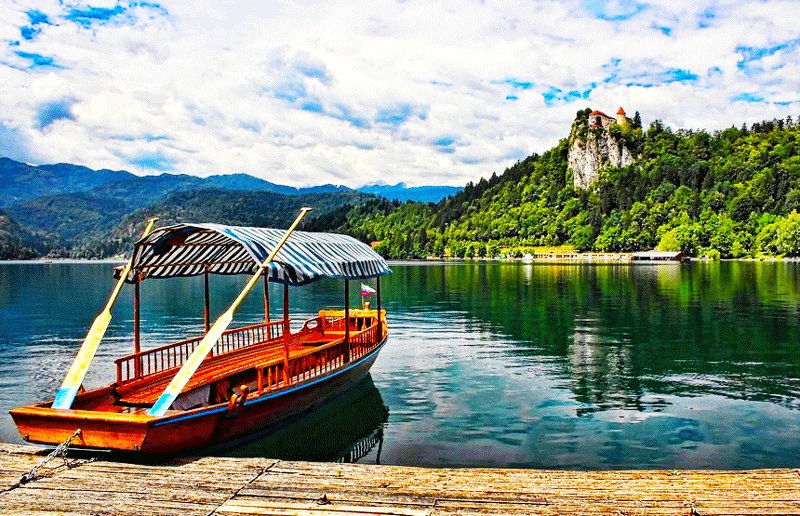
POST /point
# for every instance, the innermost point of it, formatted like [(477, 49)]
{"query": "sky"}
[(354, 93)]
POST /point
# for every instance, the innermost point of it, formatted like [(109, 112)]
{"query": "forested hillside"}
[(14, 241), (238, 208), (22, 182), (731, 193)]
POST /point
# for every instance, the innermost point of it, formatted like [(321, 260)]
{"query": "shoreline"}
[(52, 261), (450, 261)]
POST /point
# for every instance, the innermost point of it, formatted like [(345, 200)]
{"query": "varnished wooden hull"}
[(179, 432)]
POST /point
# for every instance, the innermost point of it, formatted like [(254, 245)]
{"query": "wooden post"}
[(266, 297), (378, 295), (137, 366), (207, 305), (347, 318), (286, 334)]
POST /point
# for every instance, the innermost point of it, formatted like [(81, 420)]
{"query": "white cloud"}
[(424, 93)]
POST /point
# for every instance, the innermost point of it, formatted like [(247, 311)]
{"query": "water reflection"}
[(726, 329), (347, 429), (601, 370), (489, 364)]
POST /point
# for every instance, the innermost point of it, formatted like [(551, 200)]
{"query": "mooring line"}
[(60, 451)]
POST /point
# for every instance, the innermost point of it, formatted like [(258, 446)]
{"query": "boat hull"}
[(183, 431), (217, 426)]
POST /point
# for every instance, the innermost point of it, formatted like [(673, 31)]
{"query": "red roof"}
[(621, 111), (596, 112)]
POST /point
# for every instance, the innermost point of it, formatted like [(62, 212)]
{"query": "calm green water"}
[(691, 366)]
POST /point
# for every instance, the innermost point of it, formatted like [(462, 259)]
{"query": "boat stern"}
[(43, 424)]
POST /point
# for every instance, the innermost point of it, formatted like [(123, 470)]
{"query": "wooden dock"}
[(216, 485)]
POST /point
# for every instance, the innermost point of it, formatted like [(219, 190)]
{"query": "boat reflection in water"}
[(348, 428)]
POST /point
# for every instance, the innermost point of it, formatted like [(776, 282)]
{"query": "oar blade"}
[(72, 382), (191, 365), (77, 371)]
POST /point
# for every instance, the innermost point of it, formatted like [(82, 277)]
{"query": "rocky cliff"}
[(593, 147)]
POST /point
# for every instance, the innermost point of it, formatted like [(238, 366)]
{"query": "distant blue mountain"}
[(248, 182), (401, 192), (66, 209), (22, 182)]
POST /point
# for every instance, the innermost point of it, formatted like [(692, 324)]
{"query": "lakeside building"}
[(657, 256), (605, 257)]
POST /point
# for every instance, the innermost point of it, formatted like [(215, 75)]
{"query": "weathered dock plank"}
[(232, 486)]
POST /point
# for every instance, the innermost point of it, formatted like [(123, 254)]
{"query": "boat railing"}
[(136, 366), (331, 321), (312, 362), (317, 361), (363, 341)]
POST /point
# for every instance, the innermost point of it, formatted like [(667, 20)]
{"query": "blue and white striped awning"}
[(188, 249)]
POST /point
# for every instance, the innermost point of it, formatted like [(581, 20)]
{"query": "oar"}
[(77, 371), (189, 367)]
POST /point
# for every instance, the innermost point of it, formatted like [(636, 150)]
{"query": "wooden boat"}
[(225, 384)]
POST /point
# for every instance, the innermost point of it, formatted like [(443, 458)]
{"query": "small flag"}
[(366, 290)]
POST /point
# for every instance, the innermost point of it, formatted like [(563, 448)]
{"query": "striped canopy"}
[(188, 249)]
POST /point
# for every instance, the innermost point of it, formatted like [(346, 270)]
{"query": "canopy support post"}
[(137, 366), (266, 298), (207, 302), (347, 318), (378, 295), (286, 334)]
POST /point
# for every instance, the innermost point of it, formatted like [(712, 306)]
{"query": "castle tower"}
[(621, 118)]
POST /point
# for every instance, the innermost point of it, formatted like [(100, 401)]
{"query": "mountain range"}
[(732, 193), (71, 210)]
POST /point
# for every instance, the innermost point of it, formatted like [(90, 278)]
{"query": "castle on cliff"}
[(599, 119), (590, 151)]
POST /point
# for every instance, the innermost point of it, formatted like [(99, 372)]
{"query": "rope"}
[(59, 451)]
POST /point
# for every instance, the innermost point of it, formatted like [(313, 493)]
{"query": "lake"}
[(488, 364)]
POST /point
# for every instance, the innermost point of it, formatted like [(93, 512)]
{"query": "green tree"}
[(670, 242), (788, 235), (637, 121)]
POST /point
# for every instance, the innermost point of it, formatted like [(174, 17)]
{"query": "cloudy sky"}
[(378, 91)]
